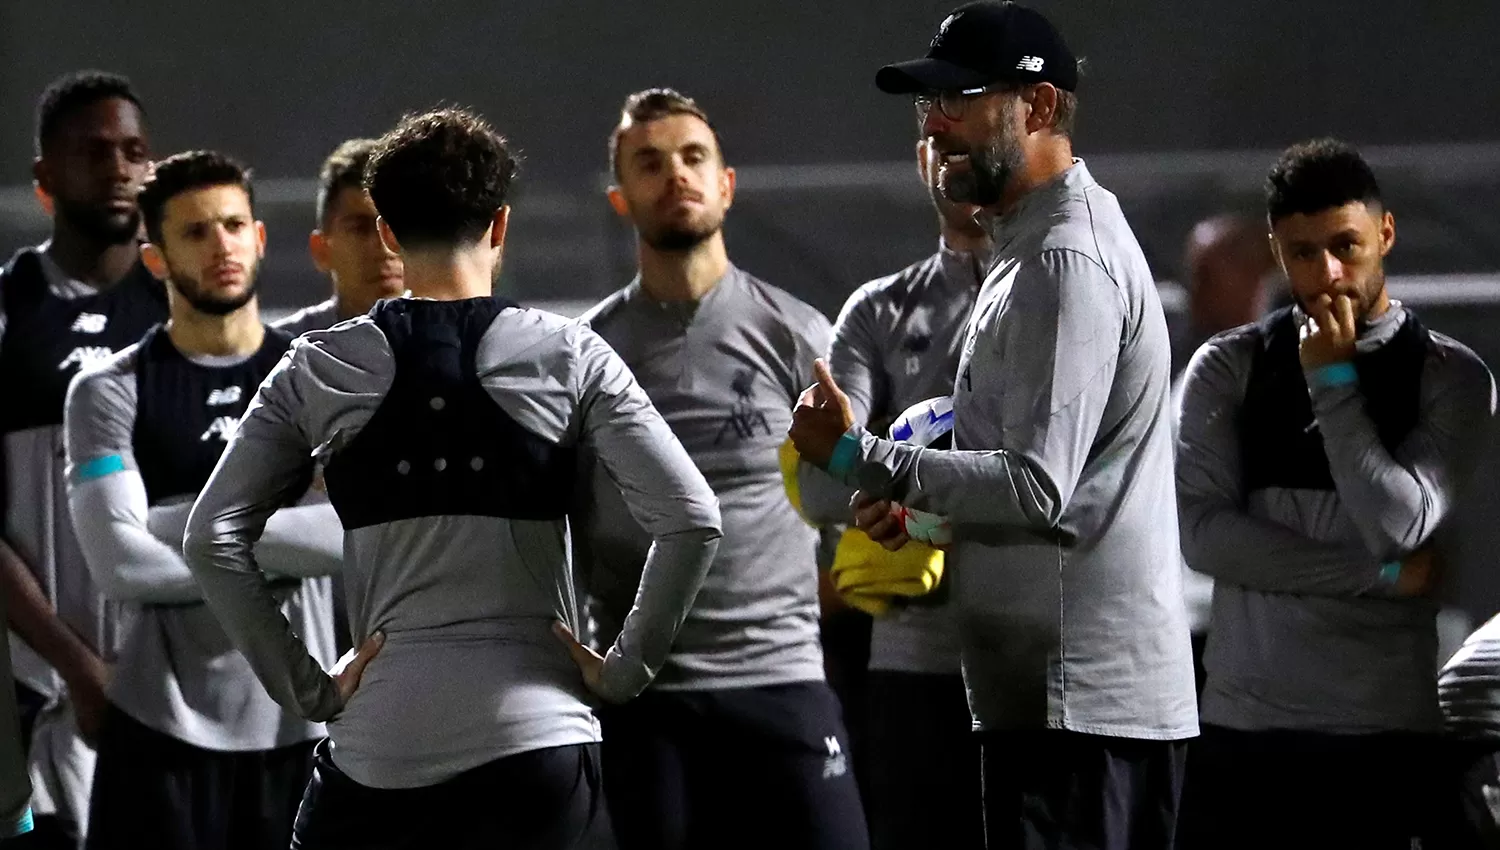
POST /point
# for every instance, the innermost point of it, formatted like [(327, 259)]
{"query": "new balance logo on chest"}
[(225, 395), (90, 323), (83, 355), (223, 427)]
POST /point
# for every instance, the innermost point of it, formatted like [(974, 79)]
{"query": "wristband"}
[(845, 453), (1334, 375), (1390, 572), (19, 826)]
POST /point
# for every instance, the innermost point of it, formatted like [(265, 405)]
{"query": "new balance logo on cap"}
[(226, 395), (223, 427), (90, 323), (1031, 63)]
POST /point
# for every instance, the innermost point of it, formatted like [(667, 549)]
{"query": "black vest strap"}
[(186, 413), (47, 338), (1279, 443), (439, 445)]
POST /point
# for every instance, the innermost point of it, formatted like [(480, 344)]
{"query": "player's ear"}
[(154, 260), (387, 237), (317, 247), (617, 202), (498, 227)]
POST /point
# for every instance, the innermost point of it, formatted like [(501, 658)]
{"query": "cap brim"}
[(921, 75)]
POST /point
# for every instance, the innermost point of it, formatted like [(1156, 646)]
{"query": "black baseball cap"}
[(983, 43)]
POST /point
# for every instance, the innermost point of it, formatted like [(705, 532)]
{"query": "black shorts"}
[(1058, 790), (547, 799), (1282, 788), (923, 760), (751, 768), (152, 790)]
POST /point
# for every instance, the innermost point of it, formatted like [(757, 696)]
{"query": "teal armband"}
[(1390, 572), (845, 453), (1335, 375), (100, 467)]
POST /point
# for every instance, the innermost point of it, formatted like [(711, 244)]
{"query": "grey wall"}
[(788, 80)]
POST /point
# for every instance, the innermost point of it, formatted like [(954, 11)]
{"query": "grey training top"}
[(1469, 686), (470, 671), (724, 372), (897, 342), (1067, 586), (1304, 635), (314, 317), (176, 671)]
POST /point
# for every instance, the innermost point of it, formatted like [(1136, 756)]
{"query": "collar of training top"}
[(1039, 203)]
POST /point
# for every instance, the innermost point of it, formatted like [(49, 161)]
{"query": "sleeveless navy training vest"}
[(186, 412), (438, 444), (1279, 445), (47, 338)]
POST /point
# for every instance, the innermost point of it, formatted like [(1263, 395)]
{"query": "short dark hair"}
[(1066, 115), (653, 105), (71, 92), (343, 169), (184, 172), (439, 177), (1316, 175)]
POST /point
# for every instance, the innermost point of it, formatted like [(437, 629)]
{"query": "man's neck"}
[(1049, 160), (683, 275), (442, 276), (196, 333), (348, 306), (85, 259), (966, 240)]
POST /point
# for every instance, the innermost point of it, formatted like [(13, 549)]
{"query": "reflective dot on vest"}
[(440, 464), (437, 403), (403, 467), (476, 463)]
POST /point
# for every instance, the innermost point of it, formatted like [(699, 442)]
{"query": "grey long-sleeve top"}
[(1304, 634), (897, 342), (469, 671), (176, 670), (1067, 585)]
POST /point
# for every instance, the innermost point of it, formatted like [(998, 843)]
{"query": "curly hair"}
[(343, 169), (654, 105), (72, 92), (184, 172), (1316, 175), (439, 177)]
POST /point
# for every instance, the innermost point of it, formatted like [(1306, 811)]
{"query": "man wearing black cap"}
[(1059, 488)]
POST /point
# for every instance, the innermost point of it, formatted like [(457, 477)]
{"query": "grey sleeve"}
[(1221, 539), (107, 498), (1398, 502), (304, 541), (267, 461), (854, 357), (665, 493), (1059, 345)]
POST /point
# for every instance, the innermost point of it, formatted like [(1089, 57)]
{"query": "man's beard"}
[(990, 170), (1365, 295), (99, 224), (193, 292), (683, 237)]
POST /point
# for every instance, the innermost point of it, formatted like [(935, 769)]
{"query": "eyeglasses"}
[(953, 104)]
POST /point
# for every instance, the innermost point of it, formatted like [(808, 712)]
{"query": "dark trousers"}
[(846, 661), (152, 790), (544, 799), (750, 768), (1303, 789), (1059, 790), (924, 764)]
